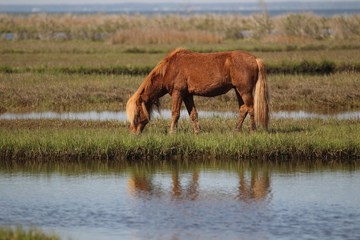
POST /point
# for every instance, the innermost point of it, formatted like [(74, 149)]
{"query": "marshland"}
[(76, 63), (56, 63)]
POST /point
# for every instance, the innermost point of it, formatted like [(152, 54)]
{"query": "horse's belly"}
[(210, 90)]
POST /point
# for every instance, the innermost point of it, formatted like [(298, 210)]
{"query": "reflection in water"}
[(253, 185), (257, 188), (184, 201), (141, 183), (191, 191)]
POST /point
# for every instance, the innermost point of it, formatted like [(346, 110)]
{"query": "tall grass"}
[(63, 92), (20, 233), (51, 91), (179, 28), (287, 140)]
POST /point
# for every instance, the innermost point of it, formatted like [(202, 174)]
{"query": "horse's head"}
[(137, 114), (140, 105)]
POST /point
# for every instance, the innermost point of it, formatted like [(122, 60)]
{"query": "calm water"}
[(121, 116), (190, 7), (195, 201)]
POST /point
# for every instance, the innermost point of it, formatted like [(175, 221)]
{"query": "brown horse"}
[(184, 74)]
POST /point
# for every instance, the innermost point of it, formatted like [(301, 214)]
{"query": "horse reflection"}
[(141, 184), (257, 188), (191, 191), (253, 185)]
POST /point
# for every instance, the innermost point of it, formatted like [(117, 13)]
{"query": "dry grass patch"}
[(163, 36)]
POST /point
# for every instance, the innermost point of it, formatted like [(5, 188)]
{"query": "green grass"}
[(303, 67), (86, 54), (23, 234), (52, 141)]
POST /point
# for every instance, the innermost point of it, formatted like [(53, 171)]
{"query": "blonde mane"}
[(160, 69)]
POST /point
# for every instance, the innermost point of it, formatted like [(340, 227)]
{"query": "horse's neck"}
[(154, 91)]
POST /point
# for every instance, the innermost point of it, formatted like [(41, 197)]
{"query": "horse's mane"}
[(159, 69)]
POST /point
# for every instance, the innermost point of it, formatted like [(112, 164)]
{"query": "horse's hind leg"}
[(175, 110), (246, 105), (190, 106), (242, 111)]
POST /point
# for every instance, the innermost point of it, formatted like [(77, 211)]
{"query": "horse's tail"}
[(261, 99)]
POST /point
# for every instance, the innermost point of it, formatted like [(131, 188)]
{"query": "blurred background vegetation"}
[(172, 28)]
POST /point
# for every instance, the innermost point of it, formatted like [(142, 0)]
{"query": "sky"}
[(30, 2)]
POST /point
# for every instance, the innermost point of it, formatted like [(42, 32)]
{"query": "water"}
[(273, 8), (166, 114), (193, 201)]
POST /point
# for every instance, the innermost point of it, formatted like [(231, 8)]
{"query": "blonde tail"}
[(261, 99)]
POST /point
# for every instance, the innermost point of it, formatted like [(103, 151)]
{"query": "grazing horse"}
[(184, 73)]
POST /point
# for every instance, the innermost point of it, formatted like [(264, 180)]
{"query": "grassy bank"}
[(53, 140)]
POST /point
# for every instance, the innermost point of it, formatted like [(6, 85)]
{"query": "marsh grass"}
[(62, 92), (163, 36), (89, 55), (334, 91), (68, 63), (71, 141), (180, 28), (97, 92), (87, 48), (303, 67), (20, 233)]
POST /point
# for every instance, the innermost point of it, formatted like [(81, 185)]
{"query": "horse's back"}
[(212, 74), (215, 64), (205, 74)]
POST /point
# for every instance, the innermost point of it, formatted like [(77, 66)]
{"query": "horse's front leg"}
[(190, 106), (176, 98)]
